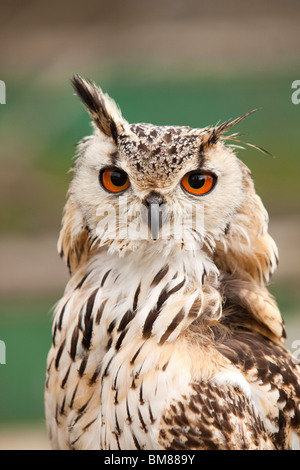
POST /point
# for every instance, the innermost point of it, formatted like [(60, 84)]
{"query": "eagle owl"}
[(166, 336)]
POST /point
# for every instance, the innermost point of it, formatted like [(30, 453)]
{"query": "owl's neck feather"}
[(162, 295), (118, 321)]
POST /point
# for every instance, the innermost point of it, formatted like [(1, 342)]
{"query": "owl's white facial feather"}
[(214, 210)]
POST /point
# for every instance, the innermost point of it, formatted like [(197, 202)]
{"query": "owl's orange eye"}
[(114, 180), (198, 182)]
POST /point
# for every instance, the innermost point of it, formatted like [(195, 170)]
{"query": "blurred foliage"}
[(26, 330)]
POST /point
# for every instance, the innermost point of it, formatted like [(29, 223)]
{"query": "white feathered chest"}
[(114, 355)]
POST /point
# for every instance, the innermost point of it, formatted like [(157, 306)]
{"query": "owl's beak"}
[(153, 202), (154, 212)]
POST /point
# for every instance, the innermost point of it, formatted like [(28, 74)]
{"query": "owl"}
[(166, 337)]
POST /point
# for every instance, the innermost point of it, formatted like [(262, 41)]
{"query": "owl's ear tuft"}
[(229, 124), (101, 107), (212, 135)]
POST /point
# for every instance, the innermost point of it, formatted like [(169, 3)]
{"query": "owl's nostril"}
[(154, 198)]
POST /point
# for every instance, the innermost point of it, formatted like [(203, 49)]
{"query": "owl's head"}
[(158, 189)]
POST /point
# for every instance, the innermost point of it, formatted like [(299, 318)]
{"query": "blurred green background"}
[(167, 62)]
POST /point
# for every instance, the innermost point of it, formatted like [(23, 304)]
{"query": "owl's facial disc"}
[(162, 222)]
